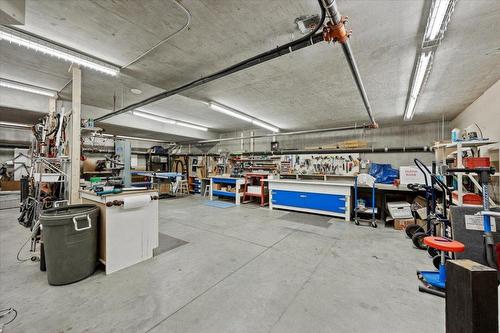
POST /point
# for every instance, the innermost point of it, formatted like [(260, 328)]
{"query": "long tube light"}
[(131, 137), (266, 126), (27, 88), (165, 120), (419, 76), (200, 128), (153, 117), (39, 45), (228, 111), (437, 21), (14, 125), (237, 114)]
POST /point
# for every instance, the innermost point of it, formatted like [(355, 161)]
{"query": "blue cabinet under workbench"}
[(331, 198), (318, 201)]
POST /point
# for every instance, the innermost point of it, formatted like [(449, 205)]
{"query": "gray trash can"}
[(69, 236)]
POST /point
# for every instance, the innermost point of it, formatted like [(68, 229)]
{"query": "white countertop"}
[(309, 182)]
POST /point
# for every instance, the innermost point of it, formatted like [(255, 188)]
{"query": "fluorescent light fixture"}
[(437, 21), (201, 128), (264, 125), (439, 16), (237, 114), (131, 137), (228, 111), (136, 138), (27, 88), (165, 120), (39, 45), (154, 117), (9, 124), (418, 81)]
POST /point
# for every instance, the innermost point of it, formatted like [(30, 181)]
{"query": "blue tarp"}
[(383, 173)]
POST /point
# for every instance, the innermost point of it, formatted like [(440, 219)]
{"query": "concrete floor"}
[(243, 270)]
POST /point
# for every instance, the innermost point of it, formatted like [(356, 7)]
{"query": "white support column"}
[(241, 142), (252, 142), (76, 106)]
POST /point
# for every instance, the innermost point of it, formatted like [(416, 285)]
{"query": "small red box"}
[(476, 162)]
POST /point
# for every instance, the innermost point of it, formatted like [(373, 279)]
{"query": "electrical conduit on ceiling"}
[(307, 40), (334, 31), (184, 27)]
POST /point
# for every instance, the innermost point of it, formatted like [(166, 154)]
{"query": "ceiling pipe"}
[(270, 135), (310, 39), (263, 57), (336, 28), (423, 149)]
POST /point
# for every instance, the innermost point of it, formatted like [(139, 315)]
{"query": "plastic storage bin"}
[(69, 236)]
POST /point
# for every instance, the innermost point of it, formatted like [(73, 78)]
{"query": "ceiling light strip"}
[(27, 88), (165, 120), (228, 111), (240, 115), (14, 125), (39, 45), (131, 137), (437, 22), (154, 117), (438, 19)]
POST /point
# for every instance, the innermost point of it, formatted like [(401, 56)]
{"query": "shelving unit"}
[(224, 182), (252, 164), (479, 147), (194, 184), (157, 162)]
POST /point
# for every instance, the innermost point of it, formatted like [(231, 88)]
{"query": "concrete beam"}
[(12, 12)]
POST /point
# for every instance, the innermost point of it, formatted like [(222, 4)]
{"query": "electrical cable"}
[(19, 252), (479, 128), (188, 21), (310, 38), (58, 116), (7, 311)]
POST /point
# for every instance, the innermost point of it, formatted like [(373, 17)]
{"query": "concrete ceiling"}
[(310, 88)]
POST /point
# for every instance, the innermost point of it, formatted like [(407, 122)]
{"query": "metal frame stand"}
[(367, 210)]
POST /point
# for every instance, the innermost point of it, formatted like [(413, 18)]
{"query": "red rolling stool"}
[(435, 282)]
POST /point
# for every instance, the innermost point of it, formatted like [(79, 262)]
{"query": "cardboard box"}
[(254, 189), (412, 175), (217, 186), (400, 224), (420, 222), (10, 185), (165, 188), (399, 209)]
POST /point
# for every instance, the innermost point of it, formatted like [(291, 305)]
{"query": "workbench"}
[(235, 183), (128, 228), (331, 198), (158, 179)]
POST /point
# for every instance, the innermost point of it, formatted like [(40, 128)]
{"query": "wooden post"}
[(76, 105), (471, 297)]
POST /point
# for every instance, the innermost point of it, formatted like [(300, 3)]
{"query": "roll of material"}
[(130, 202)]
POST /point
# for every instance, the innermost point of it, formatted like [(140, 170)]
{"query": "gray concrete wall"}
[(418, 135)]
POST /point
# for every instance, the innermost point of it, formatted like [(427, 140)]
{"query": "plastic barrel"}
[(69, 237)]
